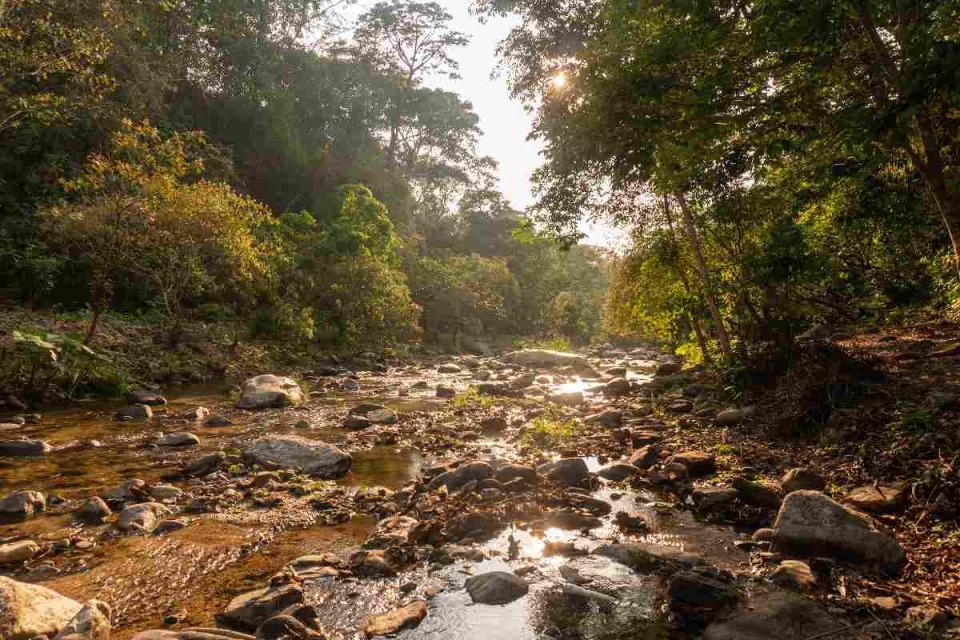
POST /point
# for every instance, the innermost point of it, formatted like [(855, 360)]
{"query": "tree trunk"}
[(690, 228), (94, 323), (694, 320)]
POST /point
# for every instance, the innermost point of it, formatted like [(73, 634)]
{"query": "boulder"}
[(645, 457), (195, 415), (695, 589), (132, 489), (802, 479), (24, 447), (756, 494), (618, 471), (668, 368), (92, 622), (567, 398), (510, 472), (93, 510), (617, 387), (496, 587), (444, 391), (29, 610), (22, 504), (541, 357), (608, 418), (710, 499), (218, 421), (648, 558), (134, 412), (204, 465), (810, 522), (393, 621), (572, 472), (456, 479), (877, 499), (147, 397), (382, 416), (356, 423), (312, 457), (449, 368), (142, 518), (791, 615), (493, 425), (269, 391), (794, 574), (698, 463), (16, 552), (179, 439), (249, 610), (164, 492)]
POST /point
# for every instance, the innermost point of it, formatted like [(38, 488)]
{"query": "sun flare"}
[(559, 81)]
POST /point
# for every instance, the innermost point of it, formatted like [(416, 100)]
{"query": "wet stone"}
[(393, 621), (251, 609), (22, 504), (569, 471), (24, 447), (94, 510), (618, 471), (134, 412), (496, 587), (794, 574), (645, 457), (147, 397)]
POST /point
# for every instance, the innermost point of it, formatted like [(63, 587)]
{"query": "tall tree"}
[(410, 40)]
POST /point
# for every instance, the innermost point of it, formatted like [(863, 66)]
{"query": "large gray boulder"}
[(312, 457), (269, 391), (496, 587), (780, 614), (810, 522), (29, 610), (540, 357)]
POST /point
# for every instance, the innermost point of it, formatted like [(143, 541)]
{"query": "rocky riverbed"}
[(535, 495)]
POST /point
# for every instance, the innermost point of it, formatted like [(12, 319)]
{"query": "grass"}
[(545, 432)]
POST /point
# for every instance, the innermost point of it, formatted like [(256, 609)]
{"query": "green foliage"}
[(545, 432), (778, 164), (35, 362), (140, 211)]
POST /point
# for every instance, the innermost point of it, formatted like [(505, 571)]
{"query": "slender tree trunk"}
[(690, 228), (694, 320), (94, 323)]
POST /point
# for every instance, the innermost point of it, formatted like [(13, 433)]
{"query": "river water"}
[(188, 576)]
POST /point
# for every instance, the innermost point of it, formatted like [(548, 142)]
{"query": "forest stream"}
[(234, 529)]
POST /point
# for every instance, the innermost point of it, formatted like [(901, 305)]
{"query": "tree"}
[(408, 40), (142, 209)]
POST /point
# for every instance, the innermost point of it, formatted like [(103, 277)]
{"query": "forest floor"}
[(893, 423)]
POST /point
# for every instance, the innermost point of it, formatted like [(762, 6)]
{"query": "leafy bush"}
[(33, 362), (142, 211)]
